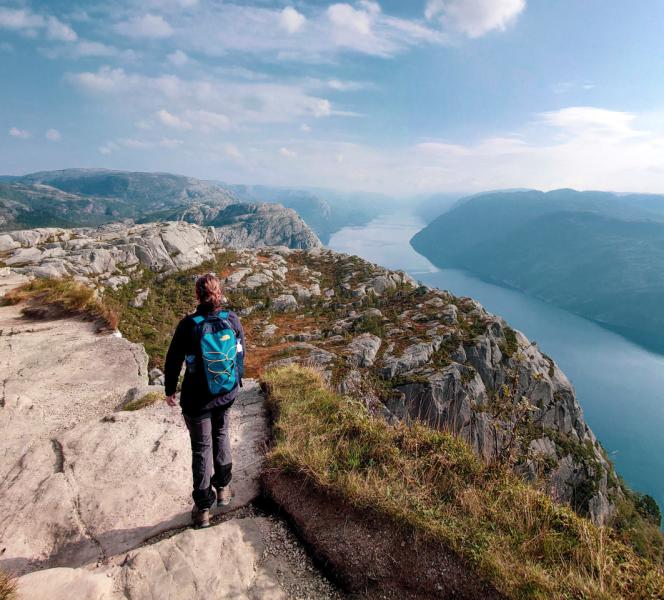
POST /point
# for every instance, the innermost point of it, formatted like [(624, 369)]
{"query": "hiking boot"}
[(200, 517), (224, 496)]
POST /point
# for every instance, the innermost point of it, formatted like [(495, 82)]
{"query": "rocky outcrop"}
[(111, 252), (256, 225)]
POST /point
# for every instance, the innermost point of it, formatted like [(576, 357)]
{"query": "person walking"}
[(211, 344)]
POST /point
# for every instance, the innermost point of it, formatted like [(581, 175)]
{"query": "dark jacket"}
[(195, 398)]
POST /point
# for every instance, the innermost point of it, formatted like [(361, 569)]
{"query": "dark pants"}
[(211, 461)]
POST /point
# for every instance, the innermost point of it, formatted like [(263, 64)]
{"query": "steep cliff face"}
[(412, 352)]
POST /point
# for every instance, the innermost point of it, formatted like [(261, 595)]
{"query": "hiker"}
[(211, 343)]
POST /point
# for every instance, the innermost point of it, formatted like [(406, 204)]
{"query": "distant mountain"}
[(599, 255), (81, 197), (92, 197), (325, 211), (430, 207)]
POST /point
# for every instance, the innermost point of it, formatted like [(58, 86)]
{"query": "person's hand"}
[(171, 400)]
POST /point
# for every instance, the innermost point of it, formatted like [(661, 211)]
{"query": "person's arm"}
[(237, 326), (175, 358)]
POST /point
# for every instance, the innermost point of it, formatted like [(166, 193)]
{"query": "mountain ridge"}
[(596, 254)]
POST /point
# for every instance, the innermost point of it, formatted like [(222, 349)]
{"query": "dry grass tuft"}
[(53, 298), (512, 533), (144, 401), (8, 586)]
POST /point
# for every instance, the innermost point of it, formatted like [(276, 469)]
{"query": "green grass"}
[(144, 401), (511, 532), (61, 297), (7, 586)]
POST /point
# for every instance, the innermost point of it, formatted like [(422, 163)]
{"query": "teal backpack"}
[(216, 355)]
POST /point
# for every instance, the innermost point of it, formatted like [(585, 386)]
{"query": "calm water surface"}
[(619, 384)]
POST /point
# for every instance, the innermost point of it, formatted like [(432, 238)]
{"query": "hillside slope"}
[(595, 254)]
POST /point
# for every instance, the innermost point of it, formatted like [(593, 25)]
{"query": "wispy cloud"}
[(244, 102), (474, 18), (145, 26), (53, 135), (22, 134), (31, 24)]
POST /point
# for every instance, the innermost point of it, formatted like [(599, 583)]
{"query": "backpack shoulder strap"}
[(198, 319)]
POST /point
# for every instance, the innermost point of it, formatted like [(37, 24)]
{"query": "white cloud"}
[(19, 19), (22, 134), (591, 121), (322, 108), (254, 102), (561, 149), (474, 18), (90, 48), (305, 128), (325, 32), (171, 120), (564, 87), (349, 19), (29, 23), (291, 20), (347, 86), (57, 30), (208, 120), (232, 151), (106, 79), (178, 58), (53, 135), (170, 143), (108, 148), (145, 26), (87, 49), (135, 144)]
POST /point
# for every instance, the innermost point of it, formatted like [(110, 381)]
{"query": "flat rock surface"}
[(81, 480), (247, 558)]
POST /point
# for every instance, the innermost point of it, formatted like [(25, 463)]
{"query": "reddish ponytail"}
[(208, 290)]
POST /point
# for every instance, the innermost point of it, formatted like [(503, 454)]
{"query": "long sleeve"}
[(237, 326), (175, 356)]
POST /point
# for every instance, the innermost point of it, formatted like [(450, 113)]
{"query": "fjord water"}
[(619, 384)]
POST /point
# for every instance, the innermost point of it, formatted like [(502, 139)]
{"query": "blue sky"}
[(403, 97)]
